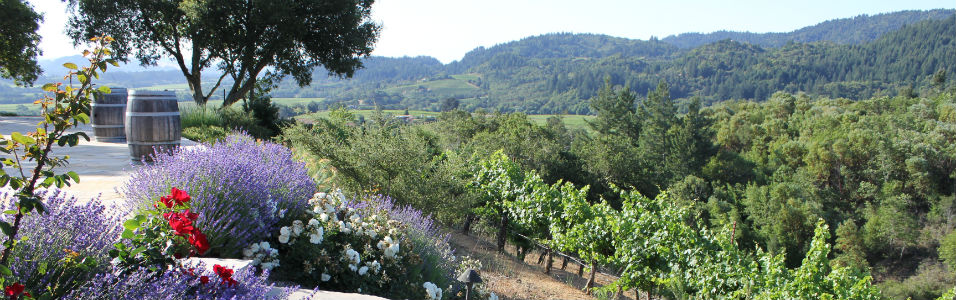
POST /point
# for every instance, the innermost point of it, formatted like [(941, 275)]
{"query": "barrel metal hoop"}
[(152, 114), (107, 105), (108, 126)]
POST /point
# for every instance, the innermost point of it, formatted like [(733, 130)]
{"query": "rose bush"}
[(240, 188), (366, 245)]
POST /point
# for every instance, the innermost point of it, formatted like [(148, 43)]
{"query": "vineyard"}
[(653, 244)]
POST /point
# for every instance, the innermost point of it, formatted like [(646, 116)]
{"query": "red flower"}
[(168, 201), (225, 274), (182, 223), (204, 279), (180, 196), (198, 240), (14, 291)]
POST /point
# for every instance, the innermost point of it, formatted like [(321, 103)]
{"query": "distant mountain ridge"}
[(862, 28)]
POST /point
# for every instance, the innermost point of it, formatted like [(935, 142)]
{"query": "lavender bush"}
[(175, 285), (65, 246), (241, 188)]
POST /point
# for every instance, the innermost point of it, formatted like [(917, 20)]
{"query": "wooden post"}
[(547, 267), (564, 262), (502, 232), (580, 270), (590, 284), (466, 228)]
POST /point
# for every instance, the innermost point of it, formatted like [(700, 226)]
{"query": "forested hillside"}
[(854, 58), (558, 73), (856, 30)]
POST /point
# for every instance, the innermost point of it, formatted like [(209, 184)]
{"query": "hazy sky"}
[(447, 29)]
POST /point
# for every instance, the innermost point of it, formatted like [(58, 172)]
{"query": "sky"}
[(447, 29)]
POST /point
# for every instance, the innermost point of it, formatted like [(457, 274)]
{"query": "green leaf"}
[(127, 234), (104, 89), (113, 62), (131, 224), (49, 87), (82, 118), (6, 272), (6, 228), (22, 139), (10, 212), (71, 66), (74, 176)]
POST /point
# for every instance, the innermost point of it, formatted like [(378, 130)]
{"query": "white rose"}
[(264, 245), (326, 277), (492, 296), (324, 217), (314, 223), (247, 252), (363, 270), (284, 239), (315, 239), (284, 230), (297, 227)]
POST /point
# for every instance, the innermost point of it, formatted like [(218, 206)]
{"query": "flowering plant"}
[(155, 238), (346, 247), (241, 189)]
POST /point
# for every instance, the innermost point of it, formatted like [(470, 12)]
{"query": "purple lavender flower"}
[(68, 235), (240, 188), (175, 285)]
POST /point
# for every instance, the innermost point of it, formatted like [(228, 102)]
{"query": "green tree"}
[(243, 38), (20, 42)]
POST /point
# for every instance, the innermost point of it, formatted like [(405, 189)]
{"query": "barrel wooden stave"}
[(153, 124), (108, 115)]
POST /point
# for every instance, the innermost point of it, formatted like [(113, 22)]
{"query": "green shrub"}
[(205, 134), (198, 116)]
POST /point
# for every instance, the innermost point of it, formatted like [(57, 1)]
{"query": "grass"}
[(441, 86)]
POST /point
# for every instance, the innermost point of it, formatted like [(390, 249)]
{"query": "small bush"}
[(199, 116), (176, 285), (240, 188), (65, 246), (205, 134), (368, 246)]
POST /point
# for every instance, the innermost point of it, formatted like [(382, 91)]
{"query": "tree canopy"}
[(241, 38), (19, 41)]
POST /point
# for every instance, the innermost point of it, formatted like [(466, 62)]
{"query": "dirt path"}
[(511, 278)]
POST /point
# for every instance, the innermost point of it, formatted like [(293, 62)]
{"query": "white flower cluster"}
[(432, 291), (389, 246), (315, 231), (262, 255), (492, 296)]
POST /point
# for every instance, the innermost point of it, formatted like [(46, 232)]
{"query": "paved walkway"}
[(104, 168)]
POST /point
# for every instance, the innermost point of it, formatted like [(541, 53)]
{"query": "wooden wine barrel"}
[(152, 124), (108, 116)]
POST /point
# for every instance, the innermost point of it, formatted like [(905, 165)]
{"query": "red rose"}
[(180, 222), (179, 195), (204, 279), (225, 274), (14, 291), (190, 215), (167, 201), (198, 240)]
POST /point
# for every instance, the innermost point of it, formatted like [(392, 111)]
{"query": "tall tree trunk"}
[(541, 256), (502, 232), (466, 228)]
